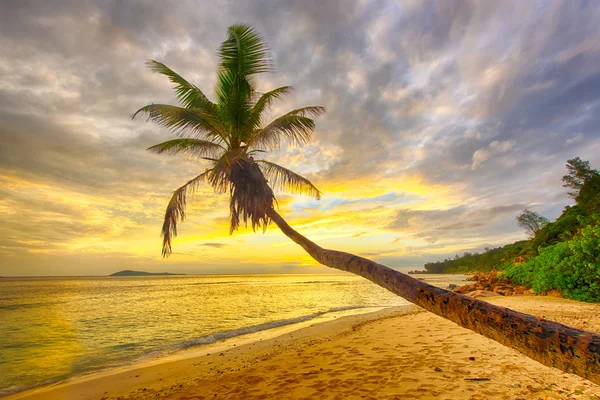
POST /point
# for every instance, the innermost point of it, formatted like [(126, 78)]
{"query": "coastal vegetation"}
[(229, 133), (571, 266), (562, 255)]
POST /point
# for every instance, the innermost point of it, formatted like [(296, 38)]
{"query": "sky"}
[(445, 120)]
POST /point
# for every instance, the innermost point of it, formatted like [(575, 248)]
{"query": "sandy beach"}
[(397, 353)]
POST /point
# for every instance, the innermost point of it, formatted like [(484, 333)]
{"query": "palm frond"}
[(175, 212), (313, 111), (181, 120), (263, 103), (224, 86), (251, 152), (242, 55), (284, 179), (189, 147), (188, 94), (294, 127), (228, 134), (244, 52), (251, 198), (219, 178), (234, 94)]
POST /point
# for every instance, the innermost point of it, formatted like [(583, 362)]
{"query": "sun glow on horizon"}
[(433, 140)]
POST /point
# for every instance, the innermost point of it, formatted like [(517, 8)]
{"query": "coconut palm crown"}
[(230, 132)]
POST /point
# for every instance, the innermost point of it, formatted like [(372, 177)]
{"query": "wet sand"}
[(390, 354)]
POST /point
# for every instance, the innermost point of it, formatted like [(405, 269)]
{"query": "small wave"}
[(208, 339), (203, 340), (16, 389)]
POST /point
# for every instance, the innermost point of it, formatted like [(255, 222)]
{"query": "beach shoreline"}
[(261, 341), (401, 352)]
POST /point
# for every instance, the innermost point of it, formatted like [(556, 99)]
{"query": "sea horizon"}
[(82, 327), (333, 272)]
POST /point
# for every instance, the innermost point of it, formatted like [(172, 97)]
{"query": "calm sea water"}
[(54, 328)]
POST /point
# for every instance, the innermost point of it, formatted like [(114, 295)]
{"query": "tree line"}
[(563, 255)]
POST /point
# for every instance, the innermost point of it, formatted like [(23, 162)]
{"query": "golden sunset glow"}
[(431, 144), (296, 199), (353, 215)]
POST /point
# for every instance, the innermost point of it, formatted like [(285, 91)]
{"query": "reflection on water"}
[(55, 327)]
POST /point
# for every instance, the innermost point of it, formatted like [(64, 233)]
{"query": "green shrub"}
[(560, 230), (563, 255), (589, 195), (572, 266)]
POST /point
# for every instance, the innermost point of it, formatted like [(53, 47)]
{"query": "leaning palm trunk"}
[(550, 343), (230, 132)]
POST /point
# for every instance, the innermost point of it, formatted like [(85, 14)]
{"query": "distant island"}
[(128, 272)]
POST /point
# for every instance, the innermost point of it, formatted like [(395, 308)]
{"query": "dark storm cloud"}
[(495, 96)]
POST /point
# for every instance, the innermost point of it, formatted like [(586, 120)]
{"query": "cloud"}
[(456, 223), (494, 148), (215, 245), (576, 138), (439, 115)]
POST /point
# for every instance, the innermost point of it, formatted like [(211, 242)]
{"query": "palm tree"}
[(232, 131)]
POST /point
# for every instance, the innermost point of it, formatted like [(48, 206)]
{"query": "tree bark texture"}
[(550, 343)]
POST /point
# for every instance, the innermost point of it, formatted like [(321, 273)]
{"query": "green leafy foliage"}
[(189, 95), (562, 255), (562, 229), (486, 261), (579, 173), (588, 198), (572, 266), (531, 221)]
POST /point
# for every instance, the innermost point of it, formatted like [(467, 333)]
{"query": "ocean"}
[(55, 328)]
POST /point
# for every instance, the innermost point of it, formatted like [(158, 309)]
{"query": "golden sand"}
[(384, 355)]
